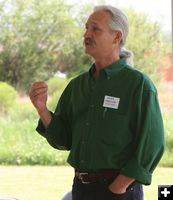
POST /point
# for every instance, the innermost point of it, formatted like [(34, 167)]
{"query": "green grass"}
[(21, 144), (50, 183)]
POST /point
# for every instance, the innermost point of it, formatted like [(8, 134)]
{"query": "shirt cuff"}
[(40, 128), (134, 170)]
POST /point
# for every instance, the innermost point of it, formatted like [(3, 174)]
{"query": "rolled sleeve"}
[(41, 128), (135, 170)]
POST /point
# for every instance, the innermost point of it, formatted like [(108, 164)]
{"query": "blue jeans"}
[(67, 196), (99, 191)]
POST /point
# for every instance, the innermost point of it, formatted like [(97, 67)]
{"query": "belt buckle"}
[(81, 178)]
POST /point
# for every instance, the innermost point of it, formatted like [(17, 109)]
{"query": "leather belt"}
[(91, 177)]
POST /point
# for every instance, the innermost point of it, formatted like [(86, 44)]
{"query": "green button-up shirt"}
[(113, 122)]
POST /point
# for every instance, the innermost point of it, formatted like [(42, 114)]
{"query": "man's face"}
[(99, 41)]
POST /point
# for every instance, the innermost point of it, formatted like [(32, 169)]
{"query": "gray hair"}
[(118, 22), (128, 55)]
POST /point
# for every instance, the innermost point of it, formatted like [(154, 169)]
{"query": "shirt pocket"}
[(114, 127), (113, 119), (111, 112)]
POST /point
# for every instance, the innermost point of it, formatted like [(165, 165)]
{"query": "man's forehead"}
[(98, 17)]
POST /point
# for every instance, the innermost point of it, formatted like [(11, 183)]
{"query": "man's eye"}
[(96, 29)]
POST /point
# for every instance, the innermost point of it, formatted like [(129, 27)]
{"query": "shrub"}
[(168, 123), (56, 84), (167, 159), (22, 111), (54, 100), (21, 145), (8, 96)]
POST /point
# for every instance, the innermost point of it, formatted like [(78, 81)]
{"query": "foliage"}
[(56, 84), (52, 102), (36, 39), (40, 37), (167, 159), (7, 97), (21, 145), (147, 42)]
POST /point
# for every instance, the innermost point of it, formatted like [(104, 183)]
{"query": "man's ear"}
[(118, 37)]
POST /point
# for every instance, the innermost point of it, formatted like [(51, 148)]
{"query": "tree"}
[(39, 37), (147, 41), (34, 40)]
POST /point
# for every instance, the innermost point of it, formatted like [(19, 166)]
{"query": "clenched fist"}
[(39, 95)]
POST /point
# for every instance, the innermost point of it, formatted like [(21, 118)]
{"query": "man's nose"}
[(87, 33)]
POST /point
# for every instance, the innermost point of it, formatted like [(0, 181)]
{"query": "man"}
[(108, 118)]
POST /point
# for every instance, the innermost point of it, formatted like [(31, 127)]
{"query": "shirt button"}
[(87, 123), (83, 142)]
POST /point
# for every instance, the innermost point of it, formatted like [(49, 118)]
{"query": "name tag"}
[(111, 102)]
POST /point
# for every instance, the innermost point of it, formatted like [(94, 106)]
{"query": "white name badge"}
[(111, 102)]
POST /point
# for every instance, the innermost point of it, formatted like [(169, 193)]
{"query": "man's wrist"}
[(45, 116), (42, 111)]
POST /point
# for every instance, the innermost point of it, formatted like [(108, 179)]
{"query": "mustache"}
[(89, 41)]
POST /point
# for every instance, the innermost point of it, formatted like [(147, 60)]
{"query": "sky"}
[(157, 10)]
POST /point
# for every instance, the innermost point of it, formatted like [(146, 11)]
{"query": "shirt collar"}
[(111, 69)]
